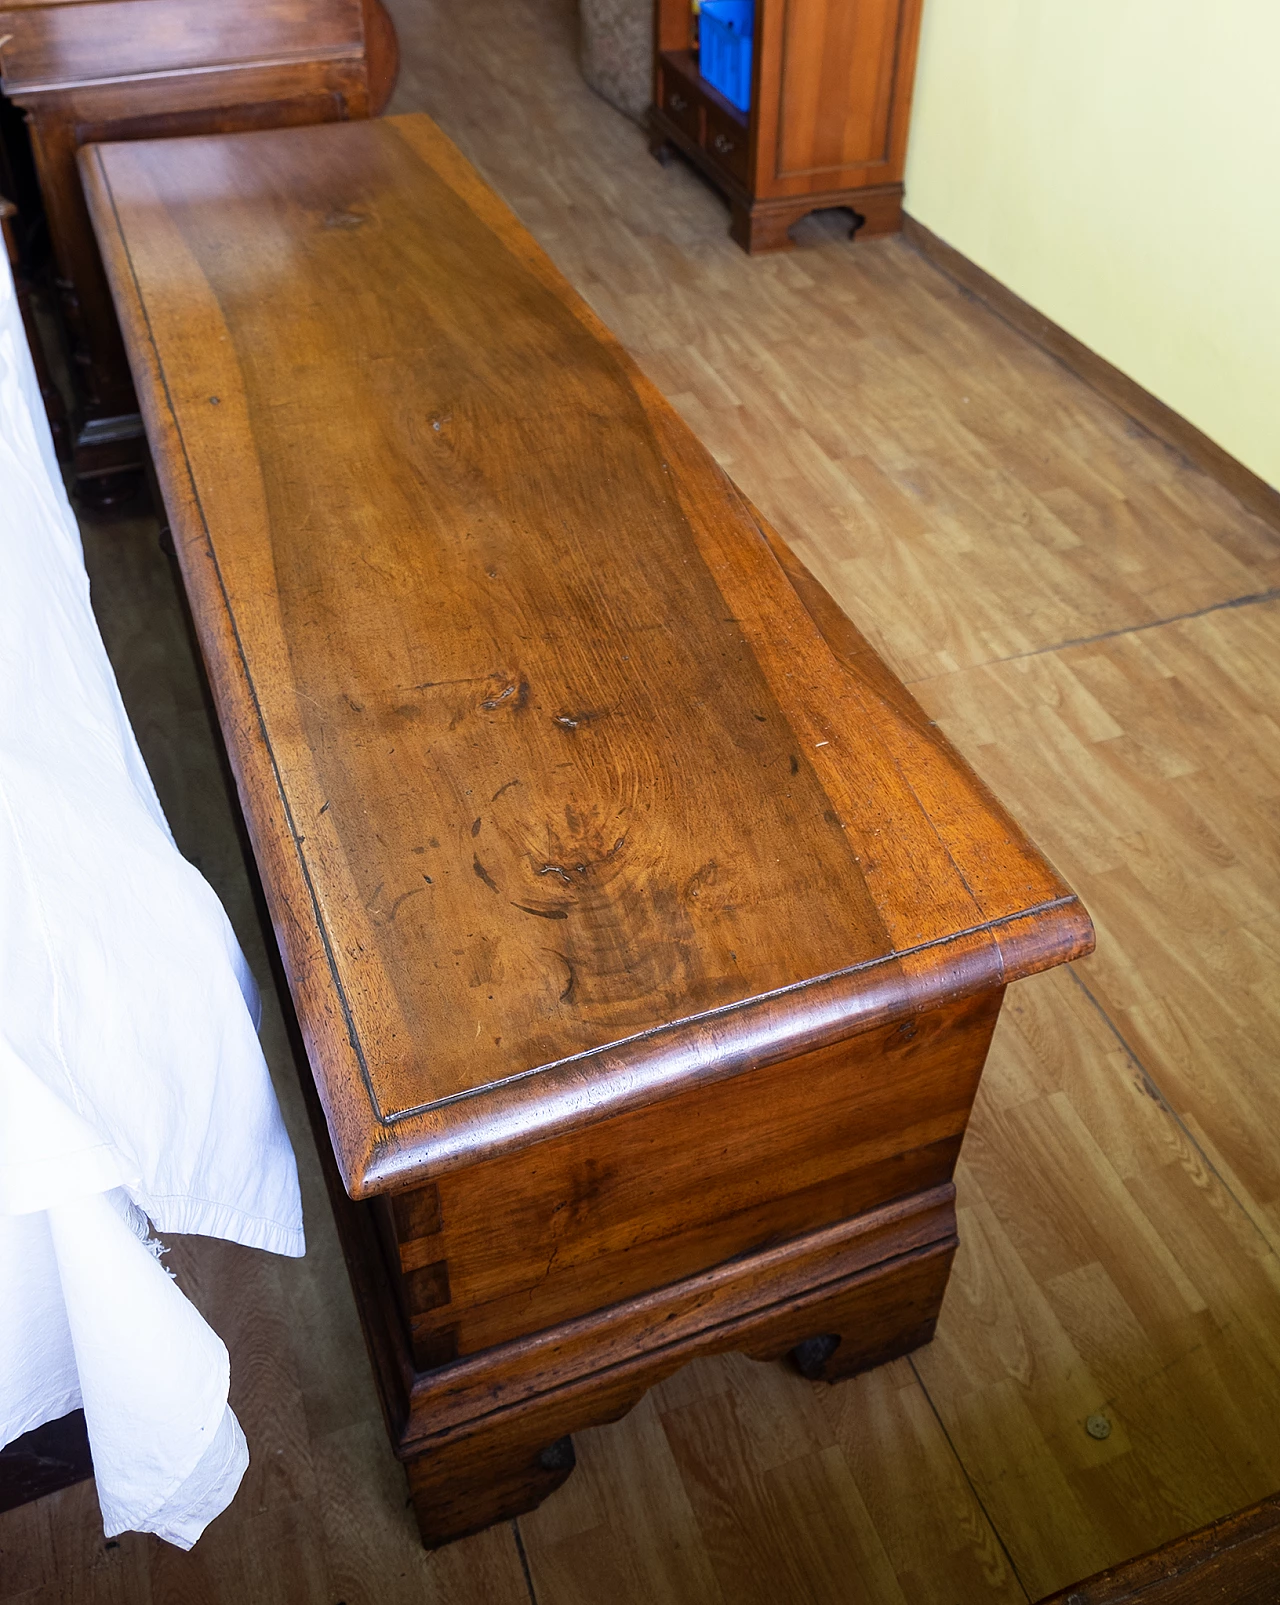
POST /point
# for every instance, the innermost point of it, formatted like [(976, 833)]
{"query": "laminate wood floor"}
[(1097, 625)]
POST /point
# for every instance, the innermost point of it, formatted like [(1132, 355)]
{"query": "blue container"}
[(724, 48)]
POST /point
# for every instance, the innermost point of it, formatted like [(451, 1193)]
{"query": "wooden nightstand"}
[(145, 69), (830, 103)]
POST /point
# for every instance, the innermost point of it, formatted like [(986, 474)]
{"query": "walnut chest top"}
[(569, 786)]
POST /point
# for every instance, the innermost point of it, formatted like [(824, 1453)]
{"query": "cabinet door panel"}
[(836, 89)]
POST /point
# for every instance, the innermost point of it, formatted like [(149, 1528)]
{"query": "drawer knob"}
[(677, 102), (723, 145)]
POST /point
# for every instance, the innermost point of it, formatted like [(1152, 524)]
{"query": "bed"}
[(134, 1097)]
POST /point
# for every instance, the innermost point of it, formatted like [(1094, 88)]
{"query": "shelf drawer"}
[(681, 104), (725, 141)]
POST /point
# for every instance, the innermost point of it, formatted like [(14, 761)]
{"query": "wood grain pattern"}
[(549, 681), (833, 385)]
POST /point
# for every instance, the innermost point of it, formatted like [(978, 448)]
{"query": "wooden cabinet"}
[(133, 69), (827, 125), (645, 936)]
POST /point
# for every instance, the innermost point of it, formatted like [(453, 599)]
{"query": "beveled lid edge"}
[(571, 1093)]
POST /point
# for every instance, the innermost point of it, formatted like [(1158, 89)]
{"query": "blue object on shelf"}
[(725, 28)]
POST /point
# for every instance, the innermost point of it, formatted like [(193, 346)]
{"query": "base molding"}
[(1250, 490), (1235, 1560), (749, 1305), (488, 1437), (763, 223)]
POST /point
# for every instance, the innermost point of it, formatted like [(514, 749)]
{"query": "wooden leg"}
[(880, 210), (473, 1482), (831, 1357), (878, 1320), (756, 229), (838, 1359), (865, 1332)]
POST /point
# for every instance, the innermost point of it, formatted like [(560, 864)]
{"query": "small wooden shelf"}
[(830, 103)]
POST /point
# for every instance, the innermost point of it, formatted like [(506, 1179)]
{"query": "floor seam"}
[(969, 1482), (1253, 599), (524, 1561), (1156, 1093)]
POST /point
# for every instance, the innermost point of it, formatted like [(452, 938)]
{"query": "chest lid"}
[(568, 785)]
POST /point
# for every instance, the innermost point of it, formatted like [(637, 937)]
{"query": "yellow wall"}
[(1117, 164)]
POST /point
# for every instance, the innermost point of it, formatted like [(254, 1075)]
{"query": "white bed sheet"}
[(133, 1091)]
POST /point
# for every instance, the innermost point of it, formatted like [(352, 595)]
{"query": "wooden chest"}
[(645, 937)]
